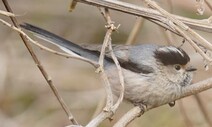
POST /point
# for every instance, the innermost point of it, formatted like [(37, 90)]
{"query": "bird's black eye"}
[(177, 67)]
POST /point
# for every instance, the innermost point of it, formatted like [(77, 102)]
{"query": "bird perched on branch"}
[(153, 74)]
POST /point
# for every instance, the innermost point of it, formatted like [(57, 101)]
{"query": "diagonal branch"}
[(209, 4), (110, 108), (41, 68), (184, 30), (135, 30), (7, 13), (186, 118), (150, 14), (48, 49), (203, 109), (186, 91)]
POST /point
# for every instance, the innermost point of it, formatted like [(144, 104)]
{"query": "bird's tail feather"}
[(62, 43)]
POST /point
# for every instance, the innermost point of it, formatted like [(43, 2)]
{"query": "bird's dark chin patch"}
[(186, 81), (169, 55)]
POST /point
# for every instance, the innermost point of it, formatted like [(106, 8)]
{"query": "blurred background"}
[(26, 99)]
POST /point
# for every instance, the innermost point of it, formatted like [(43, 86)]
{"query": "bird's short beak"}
[(190, 69)]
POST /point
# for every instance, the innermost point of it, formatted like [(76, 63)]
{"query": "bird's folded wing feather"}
[(120, 51), (123, 53)]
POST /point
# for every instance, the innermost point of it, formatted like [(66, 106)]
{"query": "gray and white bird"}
[(153, 74)]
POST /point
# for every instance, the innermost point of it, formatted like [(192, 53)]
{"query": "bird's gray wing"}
[(135, 58), (120, 51)]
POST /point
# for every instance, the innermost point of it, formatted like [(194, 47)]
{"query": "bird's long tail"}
[(62, 43)]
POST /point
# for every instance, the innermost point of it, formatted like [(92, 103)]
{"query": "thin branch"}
[(121, 79), (169, 40), (149, 14), (181, 27), (209, 4), (168, 37), (41, 68), (109, 94), (7, 13), (109, 100), (73, 4), (161, 16), (48, 49), (108, 110), (186, 91), (184, 114), (111, 26), (99, 118), (129, 117), (99, 107), (203, 109), (135, 30)]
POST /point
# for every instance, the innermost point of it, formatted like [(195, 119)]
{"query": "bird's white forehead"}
[(170, 49)]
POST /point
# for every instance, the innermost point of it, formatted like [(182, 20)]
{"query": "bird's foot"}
[(142, 106)]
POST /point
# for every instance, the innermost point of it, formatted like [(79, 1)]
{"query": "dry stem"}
[(7, 13), (184, 30), (112, 28), (129, 117), (121, 79), (184, 114), (48, 49), (209, 4), (186, 91), (107, 112), (109, 100), (135, 30), (41, 68), (203, 110), (110, 109), (73, 4), (149, 14)]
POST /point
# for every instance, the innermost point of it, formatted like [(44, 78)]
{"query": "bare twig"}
[(48, 49), (107, 112), (184, 114), (109, 97), (99, 107), (109, 102), (110, 109), (186, 91), (209, 4), (99, 118), (41, 68), (181, 27), (169, 40), (121, 79), (135, 30), (203, 109), (111, 26), (152, 15), (198, 99), (73, 4), (7, 13), (168, 37), (149, 14), (129, 117)]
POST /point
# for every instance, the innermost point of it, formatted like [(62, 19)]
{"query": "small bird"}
[(153, 74)]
